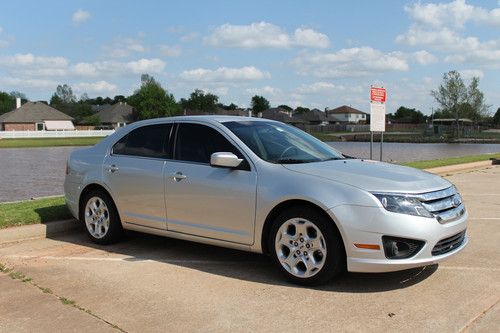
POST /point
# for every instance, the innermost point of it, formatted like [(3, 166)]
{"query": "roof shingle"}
[(33, 112)]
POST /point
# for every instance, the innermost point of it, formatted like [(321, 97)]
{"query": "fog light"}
[(401, 248)]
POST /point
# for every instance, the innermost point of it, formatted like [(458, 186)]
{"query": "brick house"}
[(346, 114), (35, 116)]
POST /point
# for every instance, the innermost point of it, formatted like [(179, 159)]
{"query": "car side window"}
[(146, 141), (196, 143)]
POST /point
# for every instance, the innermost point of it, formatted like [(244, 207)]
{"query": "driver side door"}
[(207, 201)]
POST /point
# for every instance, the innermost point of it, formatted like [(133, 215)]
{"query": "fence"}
[(53, 134)]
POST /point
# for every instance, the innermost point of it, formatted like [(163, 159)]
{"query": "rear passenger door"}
[(208, 201), (134, 173)]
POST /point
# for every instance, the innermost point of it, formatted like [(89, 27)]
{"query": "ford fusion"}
[(263, 186)]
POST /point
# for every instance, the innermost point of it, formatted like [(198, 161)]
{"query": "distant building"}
[(314, 117), (35, 116), (217, 111), (282, 115), (346, 114), (116, 115)]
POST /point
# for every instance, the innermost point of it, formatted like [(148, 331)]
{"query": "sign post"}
[(377, 115)]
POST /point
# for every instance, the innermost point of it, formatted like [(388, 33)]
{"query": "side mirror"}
[(225, 160)]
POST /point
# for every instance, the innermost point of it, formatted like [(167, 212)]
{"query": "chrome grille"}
[(446, 205)]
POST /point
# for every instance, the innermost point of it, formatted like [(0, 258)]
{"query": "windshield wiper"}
[(333, 159)]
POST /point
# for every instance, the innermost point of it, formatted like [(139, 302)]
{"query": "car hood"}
[(373, 176)]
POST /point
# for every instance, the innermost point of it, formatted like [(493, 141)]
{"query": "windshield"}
[(279, 143)]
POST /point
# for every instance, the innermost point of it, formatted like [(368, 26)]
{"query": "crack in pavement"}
[(16, 275)]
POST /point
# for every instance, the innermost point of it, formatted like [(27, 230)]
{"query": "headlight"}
[(402, 204)]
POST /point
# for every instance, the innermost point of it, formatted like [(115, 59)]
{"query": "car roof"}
[(207, 118)]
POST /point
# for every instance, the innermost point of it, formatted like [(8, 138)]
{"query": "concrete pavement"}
[(153, 284)]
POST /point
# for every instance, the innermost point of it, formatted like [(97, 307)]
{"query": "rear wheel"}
[(306, 247), (101, 218)]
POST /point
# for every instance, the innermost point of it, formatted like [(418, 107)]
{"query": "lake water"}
[(34, 172), (405, 152)]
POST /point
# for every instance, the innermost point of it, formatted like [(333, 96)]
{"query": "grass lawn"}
[(48, 142), (450, 161), (33, 211)]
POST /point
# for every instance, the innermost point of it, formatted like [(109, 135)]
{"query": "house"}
[(218, 111), (35, 116), (116, 115), (314, 117), (346, 114), (282, 115)]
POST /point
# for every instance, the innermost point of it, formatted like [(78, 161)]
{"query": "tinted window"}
[(146, 141), (196, 143)]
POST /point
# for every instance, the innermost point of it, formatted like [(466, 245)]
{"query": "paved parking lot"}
[(148, 284)]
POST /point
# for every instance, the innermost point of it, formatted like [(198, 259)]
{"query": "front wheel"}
[(101, 218), (306, 246)]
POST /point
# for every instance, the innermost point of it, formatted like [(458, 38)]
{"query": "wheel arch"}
[(282, 206), (87, 189)]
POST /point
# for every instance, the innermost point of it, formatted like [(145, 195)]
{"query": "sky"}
[(315, 54)]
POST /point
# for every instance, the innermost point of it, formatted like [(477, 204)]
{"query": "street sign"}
[(377, 94), (377, 117)]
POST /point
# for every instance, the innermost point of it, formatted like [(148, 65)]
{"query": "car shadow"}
[(240, 265)]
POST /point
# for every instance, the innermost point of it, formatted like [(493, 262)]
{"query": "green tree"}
[(152, 101), (200, 101), (496, 117), (7, 102), (63, 94), (259, 104), (407, 115), (286, 107), (119, 98), (231, 106), (301, 110), (456, 100), (80, 111)]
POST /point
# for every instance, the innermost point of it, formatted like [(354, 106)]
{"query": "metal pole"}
[(371, 145), (381, 144)]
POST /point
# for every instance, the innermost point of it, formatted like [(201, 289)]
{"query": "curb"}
[(450, 169), (35, 231)]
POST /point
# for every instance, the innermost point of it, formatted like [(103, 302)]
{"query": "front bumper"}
[(367, 225)]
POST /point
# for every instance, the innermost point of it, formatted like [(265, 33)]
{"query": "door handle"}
[(112, 168), (178, 176)]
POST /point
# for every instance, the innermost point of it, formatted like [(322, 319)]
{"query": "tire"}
[(306, 247), (100, 217)]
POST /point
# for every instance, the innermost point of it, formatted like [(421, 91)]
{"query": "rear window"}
[(146, 141)]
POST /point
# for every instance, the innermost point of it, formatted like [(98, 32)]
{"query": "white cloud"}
[(470, 73), (438, 27), (353, 62), (265, 91), (318, 88), (151, 66), (123, 47), (170, 50), (263, 34), (95, 87), (23, 83), (189, 37), (424, 58), (29, 59), (29, 66), (80, 16), (224, 74), (1, 30), (455, 14)]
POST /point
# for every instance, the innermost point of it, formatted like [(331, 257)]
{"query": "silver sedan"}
[(262, 186)]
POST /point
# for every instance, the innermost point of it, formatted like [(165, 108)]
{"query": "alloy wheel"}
[(300, 247)]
